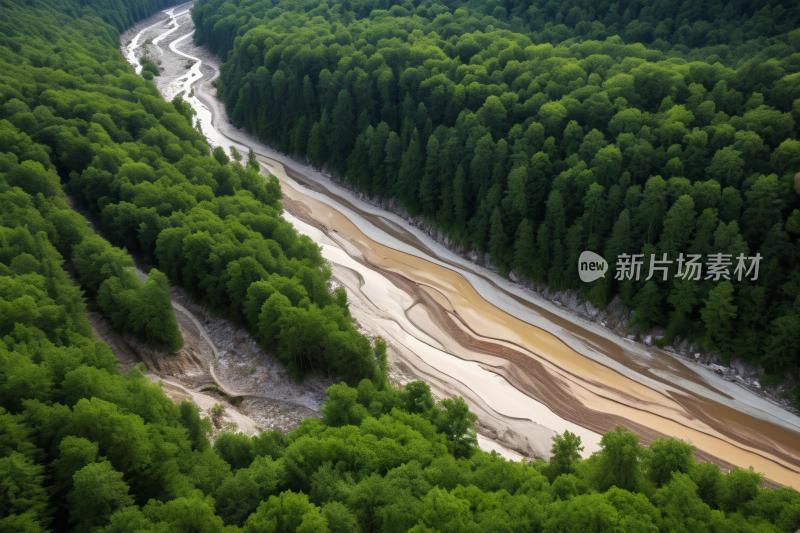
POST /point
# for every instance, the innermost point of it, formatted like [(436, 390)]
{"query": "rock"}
[(648, 340), (747, 370), (697, 355)]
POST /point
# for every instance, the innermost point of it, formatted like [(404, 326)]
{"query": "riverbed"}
[(526, 367)]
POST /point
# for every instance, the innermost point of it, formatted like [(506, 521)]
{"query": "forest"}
[(531, 131), (84, 448)]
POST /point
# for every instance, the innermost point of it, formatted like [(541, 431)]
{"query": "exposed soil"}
[(245, 369), (126, 356)]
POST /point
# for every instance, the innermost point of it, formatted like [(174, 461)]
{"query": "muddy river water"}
[(528, 368)]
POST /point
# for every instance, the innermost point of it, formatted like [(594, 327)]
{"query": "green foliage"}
[(97, 493), (152, 186), (235, 448), (669, 456), (86, 448), (566, 452), (144, 309), (619, 463), (23, 499), (458, 424), (532, 131)]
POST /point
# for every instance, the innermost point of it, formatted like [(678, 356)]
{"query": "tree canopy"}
[(531, 131)]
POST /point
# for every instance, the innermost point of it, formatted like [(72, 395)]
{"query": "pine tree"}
[(358, 165), (498, 240), (683, 299), (317, 146), (543, 252), (574, 247), (555, 216), (678, 226), (479, 226), (707, 224), (557, 272), (377, 154), (459, 195), (301, 135), (394, 155), (516, 200), (538, 186), (648, 308), (309, 100), (427, 188), (482, 165), (525, 248), (718, 315), (595, 214), (408, 176), (343, 128), (620, 240)]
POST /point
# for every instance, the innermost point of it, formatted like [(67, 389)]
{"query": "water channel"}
[(527, 367)]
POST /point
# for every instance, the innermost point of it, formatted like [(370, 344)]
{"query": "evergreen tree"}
[(343, 128), (392, 161), (427, 188), (410, 168), (718, 314), (525, 248), (498, 240)]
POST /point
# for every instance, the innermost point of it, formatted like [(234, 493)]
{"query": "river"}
[(527, 367)]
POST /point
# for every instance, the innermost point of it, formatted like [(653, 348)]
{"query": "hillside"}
[(534, 131), (84, 448)]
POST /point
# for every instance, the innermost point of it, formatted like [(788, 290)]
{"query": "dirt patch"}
[(243, 368), (126, 356), (272, 414)]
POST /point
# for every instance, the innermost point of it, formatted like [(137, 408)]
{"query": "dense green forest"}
[(86, 449), (35, 218), (534, 130), (152, 185)]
